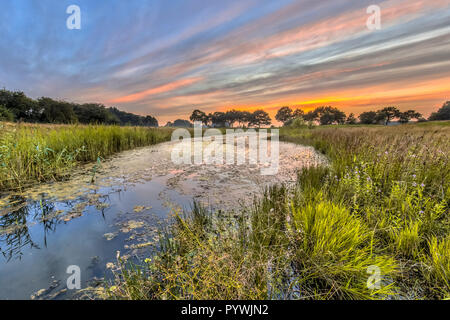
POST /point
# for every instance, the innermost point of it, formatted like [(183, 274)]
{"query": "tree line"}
[(330, 115), (322, 115), (16, 106), (257, 118)]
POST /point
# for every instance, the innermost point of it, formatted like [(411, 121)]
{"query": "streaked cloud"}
[(154, 91), (161, 58)]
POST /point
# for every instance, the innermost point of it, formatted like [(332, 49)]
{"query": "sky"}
[(168, 57)]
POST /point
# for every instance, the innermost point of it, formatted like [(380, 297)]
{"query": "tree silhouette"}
[(388, 114), (442, 114), (369, 117), (351, 119), (284, 114), (260, 118), (405, 117), (198, 115)]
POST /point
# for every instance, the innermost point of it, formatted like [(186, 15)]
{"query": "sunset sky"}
[(167, 57)]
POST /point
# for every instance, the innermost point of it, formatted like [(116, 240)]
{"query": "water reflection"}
[(42, 236), (20, 215), (14, 229)]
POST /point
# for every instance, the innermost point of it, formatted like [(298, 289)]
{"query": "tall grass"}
[(396, 180), (382, 204), (36, 153)]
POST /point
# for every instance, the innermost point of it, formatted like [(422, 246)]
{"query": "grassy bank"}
[(374, 224), (36, 153)]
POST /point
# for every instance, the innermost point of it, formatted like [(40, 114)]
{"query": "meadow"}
[(373, 224), (36, 153)]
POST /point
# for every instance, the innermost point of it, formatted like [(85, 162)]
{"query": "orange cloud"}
[(158, 90), (414, 95)]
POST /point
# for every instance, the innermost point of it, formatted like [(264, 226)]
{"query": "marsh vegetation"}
[(382, 202), (31, 153)]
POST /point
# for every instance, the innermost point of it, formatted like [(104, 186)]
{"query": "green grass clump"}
[(333, 251), (37, 153), (438, 262), (396, 180)]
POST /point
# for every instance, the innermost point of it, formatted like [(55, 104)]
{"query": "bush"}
[(5, 114), (442, 114)]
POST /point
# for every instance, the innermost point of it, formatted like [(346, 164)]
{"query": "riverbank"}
[(372, 225), (79, 222), (36, 153)]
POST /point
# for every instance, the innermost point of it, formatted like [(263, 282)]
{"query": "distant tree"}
[(127, 118), (329, 115), (244, 117), (351, 119), (380, 118), (311, 116), (131, 119), (297, 123), (209, 118), (284, 114), (405, 117), (369, 117), (260, 118), (240, 117), (232, 116), (150, 121), (339, 116), (218, 119), (6, 97), (22, 107), (180, 123), (53, 111), (5, 114), (388, 114), (442, 114), (90, 113), (198, 115), (298, 113)]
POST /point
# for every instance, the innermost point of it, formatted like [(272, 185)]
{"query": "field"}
[(36, 153), (374, 224), (371, 224)]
